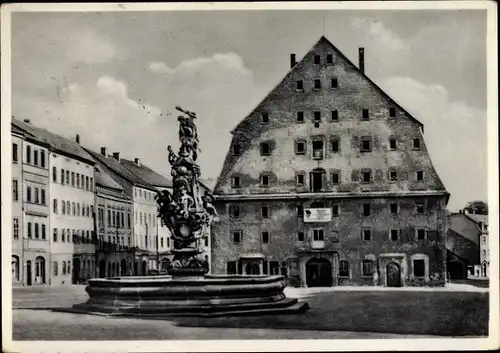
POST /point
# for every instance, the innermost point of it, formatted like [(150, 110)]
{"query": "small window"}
[(392, 144), (231, 267), (265, 237), (56, 267), (29, 231), (300, 236), (317, 84), (392, 112), (366, 209), (15, 190), (264, 180), (366, 114), (394, 234), (300, 210), (335, 83), (335, 210), (420, 206), (300, 85), (335, 145), (366, 144), (35, 157), (42, 196), (393, 175), (335, 178), (366, 234), (264, 211), (300, 147), (421, 234), (300, 179), (28, 194), (236, 150), (416, 144), (344, 268), (366, 176), (237, 236), (265, 149), (418, 268), (393, 207), (367, 268), (14, 152), (420, 175), (55, 206), (329, 58), (28, 154), (317, 146), (317, 117), (265, 117), (317, 59), (236, 182), (300, 117), (234, 211), (318, 235), (335, 115)]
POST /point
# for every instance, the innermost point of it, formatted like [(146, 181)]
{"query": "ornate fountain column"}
[(185, 212)]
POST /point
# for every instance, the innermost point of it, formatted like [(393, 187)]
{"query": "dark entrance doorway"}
[(317, 178), (76, 270), (393, 275), (123, 267), (456, 270), (144, 268), (252, 269), (319, 273), (102, 269), (29, 280)]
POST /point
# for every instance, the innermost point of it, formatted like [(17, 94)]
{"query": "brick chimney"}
[(137, 161), (77, 139), (293, 62), (27, 121), (116, 155), (362, 59), (104, 152)]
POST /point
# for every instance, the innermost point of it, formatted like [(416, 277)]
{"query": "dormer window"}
[(236, 150), (329, 58), (420, 175), (335, 83), (392, 112), (300, 85), (264, 180), (317, 59), (300, 117), (393, 175), (317, 84), (265, 117), (235, 182), (366, 176), (416, 144), (265, 149)]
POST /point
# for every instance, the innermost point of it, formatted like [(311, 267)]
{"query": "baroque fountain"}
[(187, 290)]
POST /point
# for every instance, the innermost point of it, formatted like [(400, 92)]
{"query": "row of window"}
[(120, 241), (115, 219), (318, 150), (33, 195), (366, 209), (318, 235), (147, 218), (268, 268), (317, 182), (36, 230), (73, 179), (65, 267), (148, 195), (75, 236), (72, 208), (317, 118), (34, 156)]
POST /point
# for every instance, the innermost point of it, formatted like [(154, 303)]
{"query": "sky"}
[(114, 78)]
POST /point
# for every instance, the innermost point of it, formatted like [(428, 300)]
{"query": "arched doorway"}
[(144, 267), (393, 273), (102, 269), (252, 269), (456, 270), (29, 279), (319, 273), (39, 270), (123, 267), (76, 270)]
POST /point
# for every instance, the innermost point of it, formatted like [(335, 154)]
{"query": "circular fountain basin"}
[(156, 296)]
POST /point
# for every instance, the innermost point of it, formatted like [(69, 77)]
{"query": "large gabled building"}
[(328, 181)]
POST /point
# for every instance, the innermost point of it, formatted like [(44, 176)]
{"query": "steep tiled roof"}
[(119, 169), (103, 179), (478, 218), (56, 142), (146, 173)]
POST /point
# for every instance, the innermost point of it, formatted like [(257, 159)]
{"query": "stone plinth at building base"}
[(162, 296)]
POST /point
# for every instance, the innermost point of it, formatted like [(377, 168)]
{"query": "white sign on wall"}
[(317, 215)]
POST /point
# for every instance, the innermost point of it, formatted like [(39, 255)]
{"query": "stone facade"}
[(327, 137)]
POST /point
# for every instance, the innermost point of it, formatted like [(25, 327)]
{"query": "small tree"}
[(477, 207)]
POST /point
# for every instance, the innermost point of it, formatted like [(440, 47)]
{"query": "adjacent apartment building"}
[(329, 182)]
